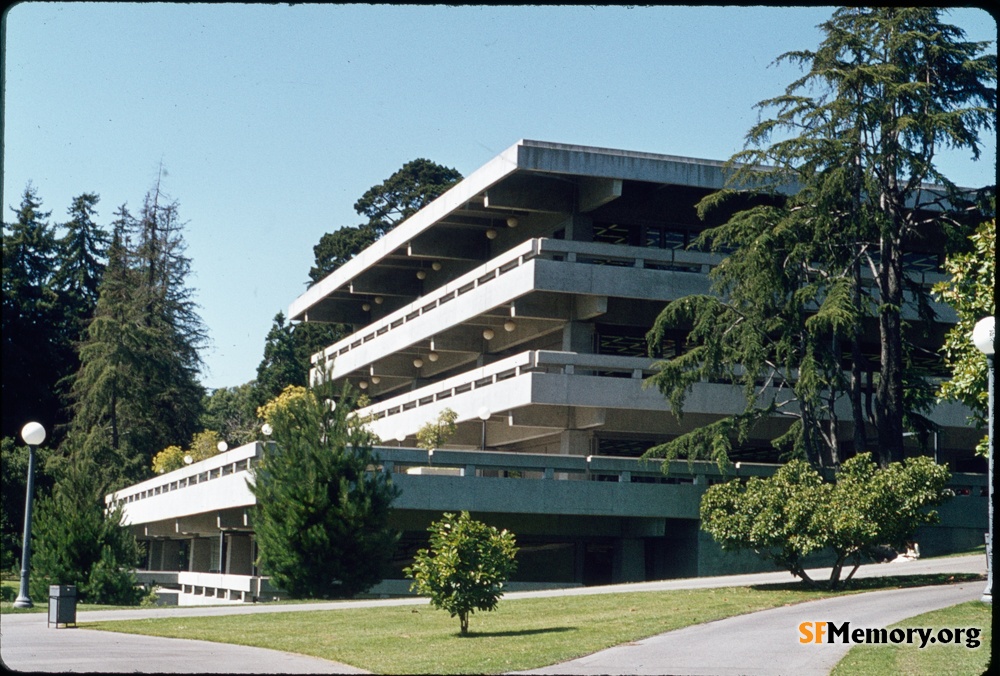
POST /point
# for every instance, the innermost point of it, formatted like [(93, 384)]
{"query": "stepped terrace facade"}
[(520, 299)]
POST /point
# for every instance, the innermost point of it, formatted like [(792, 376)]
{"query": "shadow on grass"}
[(519, 632), (875, 583)]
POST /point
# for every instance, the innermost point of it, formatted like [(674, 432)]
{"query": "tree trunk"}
[(463, 619), (889, 393)]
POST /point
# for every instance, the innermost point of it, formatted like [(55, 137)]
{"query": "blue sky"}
[(271, 120)]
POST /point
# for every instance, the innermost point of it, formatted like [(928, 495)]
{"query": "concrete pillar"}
[(578, 337), (574, 442), (240, 555), (170, 555), (580, 228), (630, 560), (201, 555), (155, 561)]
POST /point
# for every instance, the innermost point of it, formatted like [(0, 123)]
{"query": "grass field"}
[(910, 660), (521, 634)]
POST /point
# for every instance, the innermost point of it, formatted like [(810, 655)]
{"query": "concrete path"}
[(766, 643), (27, 644)]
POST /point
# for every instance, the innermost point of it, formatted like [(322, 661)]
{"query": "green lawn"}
[(910, 660), (521, 634)]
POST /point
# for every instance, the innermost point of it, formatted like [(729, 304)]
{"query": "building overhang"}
[(528, 185)]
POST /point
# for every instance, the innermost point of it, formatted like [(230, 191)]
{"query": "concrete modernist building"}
[(520, 299)]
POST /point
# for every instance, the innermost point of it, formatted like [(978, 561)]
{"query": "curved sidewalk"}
[(766, 643), (27, 644)]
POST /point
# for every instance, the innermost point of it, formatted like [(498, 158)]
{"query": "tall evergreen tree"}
[(858, 137), (77, 541), (137, 390), (31, 328), (321, 514)]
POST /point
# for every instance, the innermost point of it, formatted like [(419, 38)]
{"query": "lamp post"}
[(33, 434), (484, 415), (983, 337)]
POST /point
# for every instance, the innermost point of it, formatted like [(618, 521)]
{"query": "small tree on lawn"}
[(322, 512), (794, 513), (465, 568)]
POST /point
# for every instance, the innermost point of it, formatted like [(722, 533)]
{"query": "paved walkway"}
[(26, 644)]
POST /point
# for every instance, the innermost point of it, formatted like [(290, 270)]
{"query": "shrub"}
[(466, 567)]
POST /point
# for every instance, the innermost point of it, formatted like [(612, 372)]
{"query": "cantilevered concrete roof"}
[(529, 177)]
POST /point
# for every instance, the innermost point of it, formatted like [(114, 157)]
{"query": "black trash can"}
[(62, 605)]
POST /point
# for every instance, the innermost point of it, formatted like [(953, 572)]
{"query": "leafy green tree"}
[(232, 411), (77, 541), (777, 518), (204, 444), (288, 351), (465, 568), (415, 185), (321, 513), (857, 141), (869, 507), (436, 433), (794, 513), (31, 329), (970, 292)]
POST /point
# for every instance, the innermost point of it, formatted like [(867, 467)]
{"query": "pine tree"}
[(321, 514), (31, 329), (137, 390), (77, 541)]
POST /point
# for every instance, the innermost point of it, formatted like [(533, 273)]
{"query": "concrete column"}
[(578, 337), (201, 555), (170, 555), (240, 555), (630, 560), (155, 561), (580, 228), (574, 442)]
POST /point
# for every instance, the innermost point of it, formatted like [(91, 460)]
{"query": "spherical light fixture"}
[(488, 334), (363, 385), (435, 266), (491, 233), (266, 429), (511, 222), (509, 325), (379, 300), (421, 274), (376, 380), (433, 356), (401, 436), (484, 413), (984, 334), (366, 306), (222, 446), (188, 459), (418, 362), (33, 434)]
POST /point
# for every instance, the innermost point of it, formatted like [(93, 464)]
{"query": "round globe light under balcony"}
[(488, 334), (418, 362), (433, 356), (509, 325), (511, 222), (491, 233)]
